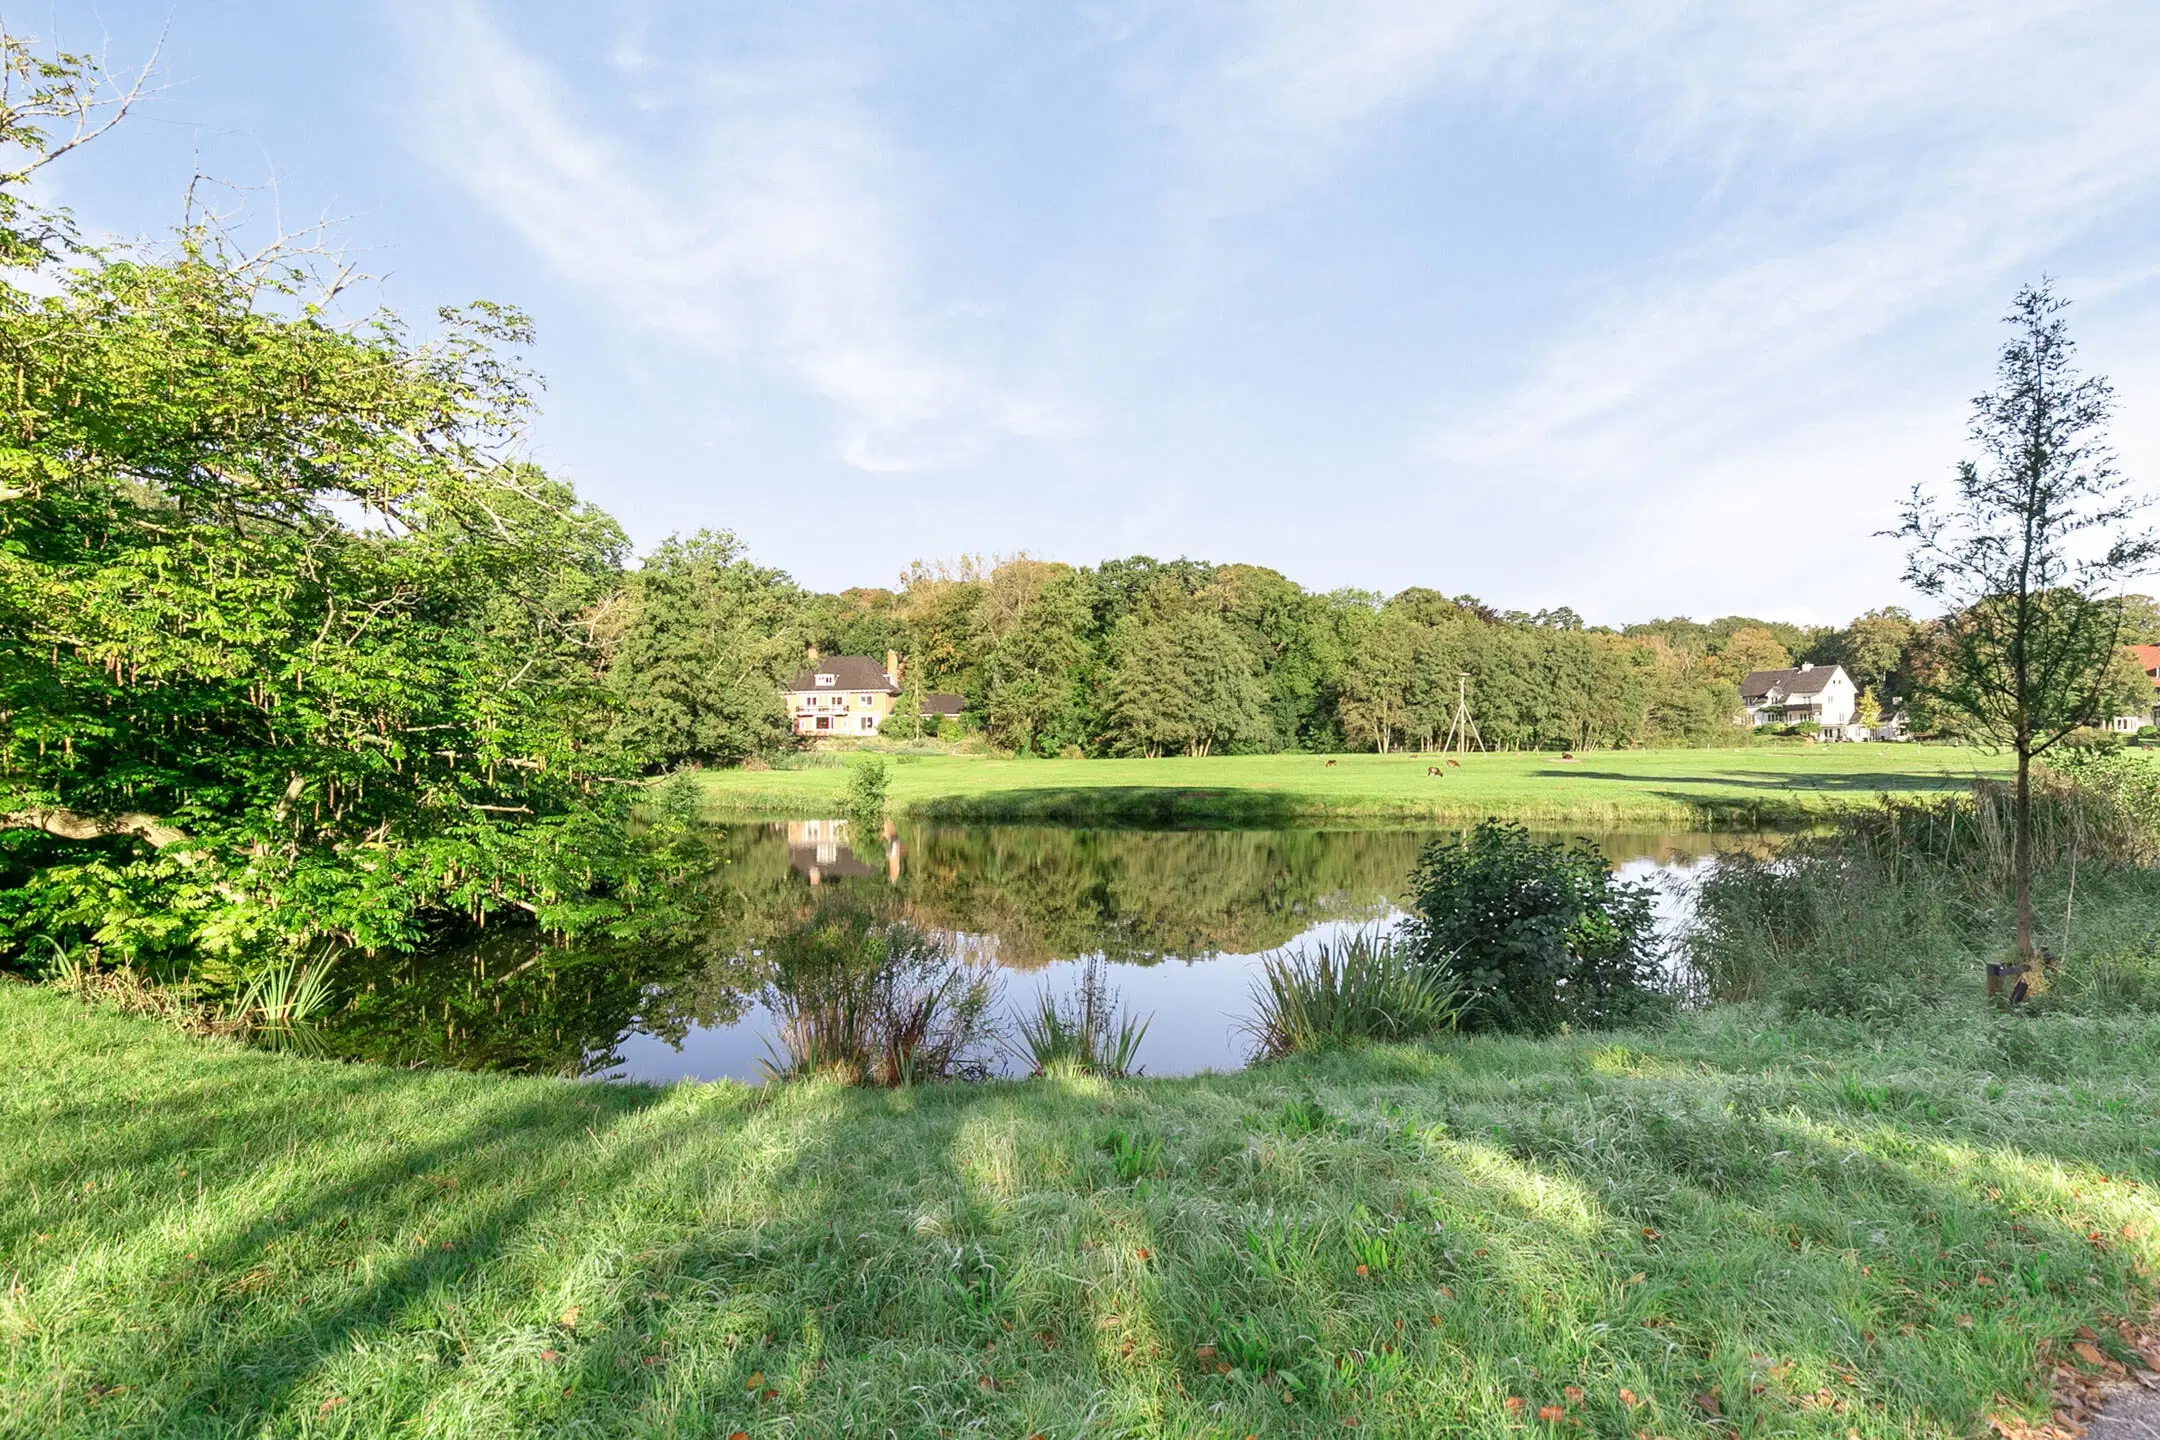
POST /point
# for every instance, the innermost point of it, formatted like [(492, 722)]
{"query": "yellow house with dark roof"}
[(852, 695), (843, 694)]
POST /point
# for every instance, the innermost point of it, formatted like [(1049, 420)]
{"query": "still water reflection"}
[(1178, 918)]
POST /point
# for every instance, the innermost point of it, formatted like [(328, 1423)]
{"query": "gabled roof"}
[(849, 672), (937, 702), (1811, 681)]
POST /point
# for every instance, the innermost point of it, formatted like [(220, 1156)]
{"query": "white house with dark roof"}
[(1824, 694)]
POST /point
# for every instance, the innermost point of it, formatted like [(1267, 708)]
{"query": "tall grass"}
[(1367, 986), (1903, 906), (1086, 1032), (282, 1006), (876, 1003)]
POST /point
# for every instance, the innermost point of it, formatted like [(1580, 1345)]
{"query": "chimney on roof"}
[(813, 655), (1807, 664), (892, 666)]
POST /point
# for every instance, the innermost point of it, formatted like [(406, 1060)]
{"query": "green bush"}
[(865, 793), (1538, 934)]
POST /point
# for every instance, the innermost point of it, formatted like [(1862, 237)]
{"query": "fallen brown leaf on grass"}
[(2079, 1394)]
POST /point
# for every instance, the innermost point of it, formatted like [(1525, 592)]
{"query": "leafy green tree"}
[(937, 607), (1185, 682), (1685, 637), (291, 650), (2141, 620), (1293, 634), (1377, 685), (2030, 554), (706, 640), (860, 620), (905, 721), (1749, 648), (1033, 617), (1871, 648)]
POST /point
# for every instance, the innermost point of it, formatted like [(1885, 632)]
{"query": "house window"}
[(863, 700), (824, 722), (869, 722), (827, 679)]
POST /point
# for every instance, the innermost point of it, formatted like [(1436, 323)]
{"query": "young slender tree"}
[(2028, 554)]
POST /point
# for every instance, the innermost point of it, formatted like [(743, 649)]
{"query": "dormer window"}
[(827, 679)]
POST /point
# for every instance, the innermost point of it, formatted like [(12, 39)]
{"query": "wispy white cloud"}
[(1863, 167), (1813, 195), (762, 224)]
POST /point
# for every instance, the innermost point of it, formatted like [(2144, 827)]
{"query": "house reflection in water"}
[(826, 850)]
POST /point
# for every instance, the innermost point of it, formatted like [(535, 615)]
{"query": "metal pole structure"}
[(1464, 729)]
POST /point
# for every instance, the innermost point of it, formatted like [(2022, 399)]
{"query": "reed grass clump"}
[(281, 1005), (1365, 987), (875, 1003), (1087, 1032)]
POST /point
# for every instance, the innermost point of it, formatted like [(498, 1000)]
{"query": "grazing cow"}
[(1434, 770), (1331, 762), (1567, 755), (1454, 764)]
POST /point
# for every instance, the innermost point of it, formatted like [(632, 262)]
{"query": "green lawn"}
[(1814, 1229), (1675, 787)]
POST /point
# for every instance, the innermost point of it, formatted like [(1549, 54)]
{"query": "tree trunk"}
[(71, 825), (2021, 848)]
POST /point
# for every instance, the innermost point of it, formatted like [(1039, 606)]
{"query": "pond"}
[(1174, 923)]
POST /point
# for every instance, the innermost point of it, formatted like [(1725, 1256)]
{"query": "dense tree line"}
[(1145, 657)]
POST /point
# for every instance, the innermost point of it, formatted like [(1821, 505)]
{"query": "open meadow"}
[(1800, 1227), (1717, 788)]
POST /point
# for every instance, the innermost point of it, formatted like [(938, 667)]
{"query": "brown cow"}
[(1331, 762), (1454, 764), (1434, 770)]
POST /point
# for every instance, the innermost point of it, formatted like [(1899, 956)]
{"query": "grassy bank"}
[(1693, 788), (1812, 1228)]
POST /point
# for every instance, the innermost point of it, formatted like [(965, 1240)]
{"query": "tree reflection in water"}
[(771, 910)]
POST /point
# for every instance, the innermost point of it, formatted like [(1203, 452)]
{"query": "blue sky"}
[(1645, 307)]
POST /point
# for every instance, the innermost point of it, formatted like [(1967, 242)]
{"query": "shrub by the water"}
[(1365, 987), (865, 793), (1539, 934)]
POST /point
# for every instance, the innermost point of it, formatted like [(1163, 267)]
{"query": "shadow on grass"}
[(1862, 783), (1822, 1228)]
